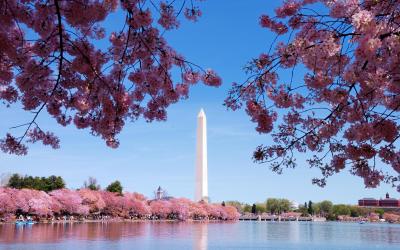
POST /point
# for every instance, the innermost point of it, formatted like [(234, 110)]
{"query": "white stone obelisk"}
[(201, 158)]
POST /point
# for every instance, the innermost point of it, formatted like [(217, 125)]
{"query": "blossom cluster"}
[(345, 108), (85, 202), (51, 61)]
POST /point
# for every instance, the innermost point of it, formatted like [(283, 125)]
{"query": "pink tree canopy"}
[(31, 201), (83, 202), (112, 204), (345, 110), (92, 199), (231, 213), (40, 203), (137, 205), (22, 198), (51, 62), (69, 202), (197, 211), (391, 217), (7, 201), (160, 208), (180, 208)]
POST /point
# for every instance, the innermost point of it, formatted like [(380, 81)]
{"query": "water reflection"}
[(379, 233), (51, 233), (200, 236)]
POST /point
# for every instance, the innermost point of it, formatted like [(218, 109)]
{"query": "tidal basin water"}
[(174, 235)]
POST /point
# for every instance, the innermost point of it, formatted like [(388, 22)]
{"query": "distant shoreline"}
[(122, 220), (189, 221)]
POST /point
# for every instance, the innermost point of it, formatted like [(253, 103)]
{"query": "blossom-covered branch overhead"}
[(50, 61), (345, 110)]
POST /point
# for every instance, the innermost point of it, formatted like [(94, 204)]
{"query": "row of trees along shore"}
[(327, 209), (53, 182), (91, 202)]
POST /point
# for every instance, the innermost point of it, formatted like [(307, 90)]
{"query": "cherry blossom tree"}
[(92, 199), (69, 202), (51, 62), (180, 209), (197, 211), (373, 217), (231, 213), (138, 196), (129, 205), (160, 208), (7, 201), (140, 209), (30, 201), (21, 198), (345, 110), (137, 205), (112, 203), (390, 217), (40, 203), (213, 211)]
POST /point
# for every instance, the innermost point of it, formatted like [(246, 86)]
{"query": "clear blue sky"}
[(153, 154)]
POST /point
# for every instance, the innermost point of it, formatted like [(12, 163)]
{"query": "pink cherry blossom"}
[(193, 13), (289, 8), (92, 199), (231, 213), (69, 202), (7, 201), (277, 27), (211, 78), (180, 209), (390, 217), (112, 203), (128, 205), (160, 208), (168, 17), (197, 211), (11, 145), (345, 110), (362, 19), (47, 138), (137, 205), (52, 62)]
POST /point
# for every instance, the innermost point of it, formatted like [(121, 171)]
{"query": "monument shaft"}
[(201, 158)]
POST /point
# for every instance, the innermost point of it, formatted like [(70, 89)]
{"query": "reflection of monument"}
[(201, 158), (200, 236)]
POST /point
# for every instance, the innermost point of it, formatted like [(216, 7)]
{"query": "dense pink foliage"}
[(30, 201), (137, 205), (50, 60), (92, 199), (180, 209), (68, 201), (390, 217), (112, 203), (160, 208), (88, 202), (345, 110), (7, 201)]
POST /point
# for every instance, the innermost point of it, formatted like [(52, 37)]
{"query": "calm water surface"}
[(164, 235)]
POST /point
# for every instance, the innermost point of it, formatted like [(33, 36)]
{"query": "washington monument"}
[(201, 158)]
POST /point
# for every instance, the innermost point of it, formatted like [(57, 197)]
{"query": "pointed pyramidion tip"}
[(201, 113)]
